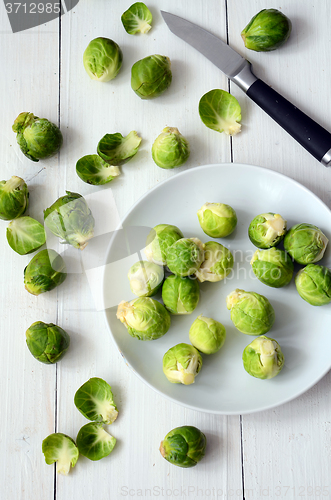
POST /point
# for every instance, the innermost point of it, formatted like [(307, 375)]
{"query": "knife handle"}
[(314, 138)]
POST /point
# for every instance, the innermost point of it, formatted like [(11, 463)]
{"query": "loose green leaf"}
[(25, 235), (137, 19), (94, 442), (94, 400), (116, 149), (94, 170), (61, 449), (220, 111)]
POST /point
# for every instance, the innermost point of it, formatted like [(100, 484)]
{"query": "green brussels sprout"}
[(144, 318), (45, 271), (118, 150), (263, 358), (14, 198), (267, 30), (305, 243), (102, 59), (145, 278), (170, 149), (25, 235), (180, 295), (218, 220), (217, 264), (151, 76), (273, 267), (220, 111), (313, 284), (137, 19), (38, 138), (61, 449), (267, 230), (94, 442), (160, 238), (94, 400), (48, 343), (207, 335), (185, 256), (181, 364), (184, 446), (251, 313), (94, 170), (71, 219)]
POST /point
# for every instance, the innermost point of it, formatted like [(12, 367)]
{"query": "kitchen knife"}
[(306, 131)]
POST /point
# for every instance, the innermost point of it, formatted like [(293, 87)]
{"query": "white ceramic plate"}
[(302, 330)]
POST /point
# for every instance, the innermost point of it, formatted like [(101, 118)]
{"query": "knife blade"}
[(312, 136)]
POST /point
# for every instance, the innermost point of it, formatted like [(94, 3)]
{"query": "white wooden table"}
[(280, 453)]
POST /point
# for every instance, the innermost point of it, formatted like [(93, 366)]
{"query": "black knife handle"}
[(306, 131)]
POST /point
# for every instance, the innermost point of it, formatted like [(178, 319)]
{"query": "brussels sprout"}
[(251, 313), (263, 358), (170, 149), (116, 149), (71, 219), (273, 267), (217, 219), (94, 170), (220, 111), (267, 230), (207, 335), (14, 198), (145, 278), (137, 19), (144, 318), (180, 295), (48, 343), (25, 235), (38, 138), (184, 446), (313, 284), (160, 238), (94, 442), (94, 400), (267, 30), (102, 59), (61, 449), (45, 271), (305, 243), (151, 76), (217, 264), (181, 364), (185, 256)]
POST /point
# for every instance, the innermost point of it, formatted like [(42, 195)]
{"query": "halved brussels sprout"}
[(160, 238), (181, 364), (218, 220), (217, 264), (94, 170), (207, 335), (137, 19), (61, 449), (267, 230), (184, 446), (47, 343), (95, 401), (25, 235), (305, 243), (170, 149), (145, 278), (313, 284), (251, 313), (71, 219), (45, 271), (102, 59), (144, 318), (180, 295), (263, 358), (118, 150), (151, 76), (94, 442), (14, 198), (267, 30), (185, 256), (220, 111), (273, 267)]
